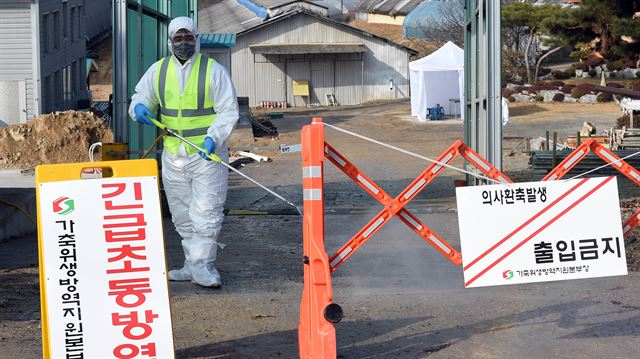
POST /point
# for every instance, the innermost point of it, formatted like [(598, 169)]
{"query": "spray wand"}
[(217, 159)]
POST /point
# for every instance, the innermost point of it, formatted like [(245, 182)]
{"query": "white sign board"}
[(540, 231), (104, 263)]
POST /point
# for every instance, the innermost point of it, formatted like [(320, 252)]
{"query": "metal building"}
[(42, 57), (300, 45), (385, 12), (99, 28)]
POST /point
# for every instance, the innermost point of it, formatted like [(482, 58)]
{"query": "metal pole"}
[(546, 143), (578, 139), (120, 96), (553, 156), (494, 97)]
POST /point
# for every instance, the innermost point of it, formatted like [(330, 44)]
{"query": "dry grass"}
[(395, 34)]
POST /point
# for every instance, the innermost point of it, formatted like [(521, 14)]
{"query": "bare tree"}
[(447, 25)]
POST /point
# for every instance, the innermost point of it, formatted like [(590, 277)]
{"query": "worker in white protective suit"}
[(194, 96), (505, 112)]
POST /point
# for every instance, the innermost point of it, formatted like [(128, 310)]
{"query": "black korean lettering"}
[(609, 246), (543, 252), (588, 249), (508, 196), (562, 246), (486, 196), (542, 193)]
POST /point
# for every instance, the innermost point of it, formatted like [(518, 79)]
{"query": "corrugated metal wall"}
[(355, 81), (16, 47), (222, 56)]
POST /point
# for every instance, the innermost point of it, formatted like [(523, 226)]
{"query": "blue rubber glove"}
[(209, 146), (142, 112)]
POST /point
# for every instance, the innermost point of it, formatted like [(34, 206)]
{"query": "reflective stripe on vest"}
[(191, 113)]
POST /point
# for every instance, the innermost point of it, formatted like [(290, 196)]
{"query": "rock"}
[(511, 86), (589, 98), (585, 75), (570, 99), (629, 74), (598, 71), (548, 94), (579, 73), (522, 98)]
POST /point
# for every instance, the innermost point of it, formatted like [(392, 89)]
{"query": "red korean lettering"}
[(139, 234), (118, 189), (129, 293), (127, 251), (129, 351), (138, 220), (133, 328), (127, 268)]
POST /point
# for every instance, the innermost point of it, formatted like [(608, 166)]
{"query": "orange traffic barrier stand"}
[(610, 158), (318, 313)]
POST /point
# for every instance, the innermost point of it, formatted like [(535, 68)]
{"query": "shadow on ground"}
[(376, 338)]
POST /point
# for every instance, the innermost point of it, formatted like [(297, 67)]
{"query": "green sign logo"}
[(63, 205), (508, 274)]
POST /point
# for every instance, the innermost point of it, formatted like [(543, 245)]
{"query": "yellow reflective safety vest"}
[(191, 114)]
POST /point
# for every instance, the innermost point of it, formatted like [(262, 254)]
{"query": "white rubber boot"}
[(182, 274), (205, 275)]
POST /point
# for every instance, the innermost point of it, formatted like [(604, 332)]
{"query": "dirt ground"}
[(401, 298), (58, 137), (101, 80)]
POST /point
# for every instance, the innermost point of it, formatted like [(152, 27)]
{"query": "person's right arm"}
[(145, 92)]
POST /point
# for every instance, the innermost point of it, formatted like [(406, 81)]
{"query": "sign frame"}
[(142, 173)]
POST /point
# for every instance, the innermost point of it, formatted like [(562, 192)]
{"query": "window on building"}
[(58, 91), (56, 29), (44, 31), (46, 95), (74, 13), (80, 20), (81, 84), (65, 18), (67, 84)]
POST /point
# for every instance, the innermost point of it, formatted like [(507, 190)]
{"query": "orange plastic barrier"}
[(590, 145), (316, 333), (395, 206)]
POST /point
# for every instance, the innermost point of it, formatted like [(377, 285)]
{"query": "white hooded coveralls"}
[(196, 189)]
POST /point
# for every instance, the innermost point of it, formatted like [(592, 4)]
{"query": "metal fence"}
[(139, 40)]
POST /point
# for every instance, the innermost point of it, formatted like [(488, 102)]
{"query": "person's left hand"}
[(209, 147)]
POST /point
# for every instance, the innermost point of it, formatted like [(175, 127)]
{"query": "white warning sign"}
[(540, 231)]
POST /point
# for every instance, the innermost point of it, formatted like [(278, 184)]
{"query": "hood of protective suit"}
[(186, 23)]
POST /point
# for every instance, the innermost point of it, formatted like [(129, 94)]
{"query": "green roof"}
[(217, 40)]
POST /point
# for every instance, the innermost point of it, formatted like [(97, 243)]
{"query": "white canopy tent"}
[(438, 79)]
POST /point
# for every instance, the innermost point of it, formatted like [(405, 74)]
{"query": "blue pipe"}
[(256, 9)]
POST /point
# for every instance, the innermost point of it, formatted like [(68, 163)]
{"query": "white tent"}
[(438, 79)]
